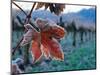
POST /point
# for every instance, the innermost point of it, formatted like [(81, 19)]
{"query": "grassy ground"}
[(80, 57)]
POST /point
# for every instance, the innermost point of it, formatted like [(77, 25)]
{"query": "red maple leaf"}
[(46, 42)]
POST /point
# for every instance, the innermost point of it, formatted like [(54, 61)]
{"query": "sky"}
[(75, 8), (68, 8)]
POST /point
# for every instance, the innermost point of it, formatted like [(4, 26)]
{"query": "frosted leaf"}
[(27, 37)]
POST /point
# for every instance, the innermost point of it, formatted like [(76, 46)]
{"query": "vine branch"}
[(26, 21)]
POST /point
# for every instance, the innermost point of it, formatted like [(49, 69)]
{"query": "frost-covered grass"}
[(80, 57)]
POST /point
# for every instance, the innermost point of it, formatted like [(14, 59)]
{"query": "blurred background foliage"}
[(81, 56)]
